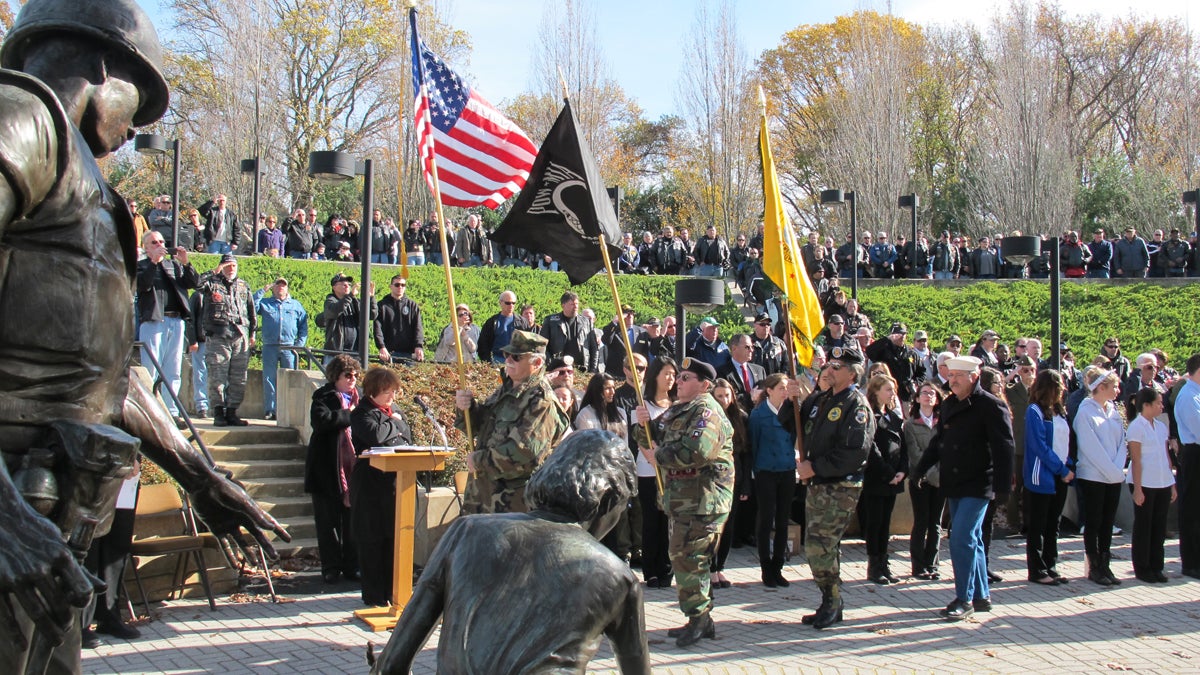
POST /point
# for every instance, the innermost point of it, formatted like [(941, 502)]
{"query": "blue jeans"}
[(301, 255), (381, 258), (966, 548), (219, 247), (943, 275), (272, 358), (708, 270), (1098, 274), (200, 377), (473, 261), (433, 258), (164, 339), (416, 258)]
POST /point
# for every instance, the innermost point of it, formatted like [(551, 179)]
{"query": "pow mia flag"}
[(564, 208)]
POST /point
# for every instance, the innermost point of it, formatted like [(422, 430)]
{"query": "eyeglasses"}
[(685, 377), (464, 314), (349, 376), (1110, 345), (399, 284), (1021, 344), (641, 369), (507, 303), (515, 358), (158, 241), (834, 365)]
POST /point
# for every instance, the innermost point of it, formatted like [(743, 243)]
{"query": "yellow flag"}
[(782, 262)]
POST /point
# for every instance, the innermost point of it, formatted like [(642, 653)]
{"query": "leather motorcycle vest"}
[(67, 263)]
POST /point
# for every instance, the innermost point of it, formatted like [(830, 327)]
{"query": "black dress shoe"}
[(994, 578), (91, 640), (122, 631), (350, 575), (982, 605), (1058, 577), (330, 577), (1145, 577), (1192, 572), (958, 610), (1160, 578)]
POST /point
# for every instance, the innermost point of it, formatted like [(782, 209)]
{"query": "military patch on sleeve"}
[(860, 417), (706, 414), (697, 433), (834, 415), (701, 424)]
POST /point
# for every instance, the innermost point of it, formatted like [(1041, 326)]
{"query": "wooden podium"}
[(405, 465)]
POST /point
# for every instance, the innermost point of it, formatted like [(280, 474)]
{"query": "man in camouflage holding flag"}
[(515, 428), (693, 450)]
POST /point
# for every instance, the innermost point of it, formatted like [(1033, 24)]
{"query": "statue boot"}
[(232, 419), (697, 627)]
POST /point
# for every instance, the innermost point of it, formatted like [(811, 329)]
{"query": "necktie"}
[(746, 377)]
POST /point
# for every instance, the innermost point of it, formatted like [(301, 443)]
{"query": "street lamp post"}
[(840, 197), (911, 202), (333, 166), (155, 144), (1193, 197), (252, 166)]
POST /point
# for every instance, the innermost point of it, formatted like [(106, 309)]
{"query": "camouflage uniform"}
[(695, 454), (515, 430), (838, 432), (228, 320)]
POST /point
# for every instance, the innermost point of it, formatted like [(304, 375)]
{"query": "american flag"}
[(482, 157)]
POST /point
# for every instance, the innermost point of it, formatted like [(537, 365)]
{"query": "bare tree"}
[(1025, 176), (716, 98)]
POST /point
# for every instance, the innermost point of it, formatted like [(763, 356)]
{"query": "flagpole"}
[(637, 384), (437, 199), (785, 306)]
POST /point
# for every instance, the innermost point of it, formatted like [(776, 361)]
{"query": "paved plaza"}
[(1079, 627)]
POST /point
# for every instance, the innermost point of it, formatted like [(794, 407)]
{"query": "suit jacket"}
[(734, 375), (614, 362), (180, 278)]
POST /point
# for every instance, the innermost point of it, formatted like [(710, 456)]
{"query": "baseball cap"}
[(652, 321), (989, 334), (708, 321), (762, 317), (898, 328), (228, 258), (920, 335), (281, 282), (339, 278)]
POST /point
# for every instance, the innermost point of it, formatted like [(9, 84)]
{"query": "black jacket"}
[(373, 492), (178, 279), (582, 345), (207, 210), (838, 432), (974, 443), (328, 420), (399, 326), (903, 363), (340, 321), (888, 457)]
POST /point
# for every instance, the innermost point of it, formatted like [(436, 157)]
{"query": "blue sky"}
[(642, 39)]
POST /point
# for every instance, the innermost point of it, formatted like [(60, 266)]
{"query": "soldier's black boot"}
[(219, 417), (232, 419), (830, 611), (697, 627)]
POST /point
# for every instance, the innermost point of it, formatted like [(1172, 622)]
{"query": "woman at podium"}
[(375, 423)]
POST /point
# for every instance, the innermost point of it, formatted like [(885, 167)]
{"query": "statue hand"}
[(225, 507), (39, 570)]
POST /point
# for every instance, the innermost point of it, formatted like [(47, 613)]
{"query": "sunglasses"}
[(685, 377), (834, 365), (515, 358), (400, 284), (507, 303), (1021, 344), (349, 376)]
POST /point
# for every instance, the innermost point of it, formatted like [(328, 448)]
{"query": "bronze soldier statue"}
[(534, 592), (75, 77)]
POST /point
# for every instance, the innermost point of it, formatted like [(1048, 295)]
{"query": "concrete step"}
[(268, 488), (258, 432), (297, 547), (300, 527), (244, 453), (287, 507), (266, 468)]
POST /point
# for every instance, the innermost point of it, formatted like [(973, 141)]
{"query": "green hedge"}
[(1142, 315)]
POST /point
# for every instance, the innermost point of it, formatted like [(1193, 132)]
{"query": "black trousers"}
[(1188, 482), (1042, 513), (1150, 530), (106, 559), (927, 505), (656, 560), (775, 490), (1100, 500), (728, 533), (877, 522), (335, 543)]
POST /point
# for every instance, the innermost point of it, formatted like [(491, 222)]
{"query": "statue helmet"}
[(120, 24)]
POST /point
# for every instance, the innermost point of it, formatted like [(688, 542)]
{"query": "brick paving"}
[(1079, 627)]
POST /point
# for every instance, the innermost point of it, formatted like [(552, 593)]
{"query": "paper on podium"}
[(397, 449)]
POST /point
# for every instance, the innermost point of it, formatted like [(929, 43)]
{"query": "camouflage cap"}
[(524, 342)]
